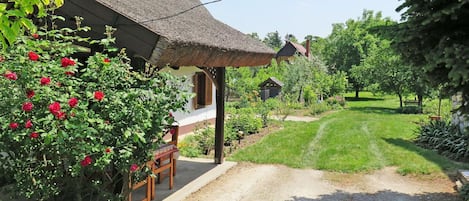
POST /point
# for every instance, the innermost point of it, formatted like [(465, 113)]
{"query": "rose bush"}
[(76, 128)]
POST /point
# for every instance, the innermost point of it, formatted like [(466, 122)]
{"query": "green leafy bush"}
[(410, 110), (318, 108), (189, 147), (76, 131), (205, 137), (444, 138), (336, 102), (265, 108), (464, 192), (245, 120)]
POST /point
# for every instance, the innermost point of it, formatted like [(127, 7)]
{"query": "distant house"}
[(181, 34), (270, 88), (290, 50)]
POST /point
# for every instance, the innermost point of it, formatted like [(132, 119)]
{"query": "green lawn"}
[(367, 135)]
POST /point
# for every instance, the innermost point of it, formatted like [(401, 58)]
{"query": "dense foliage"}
[(352, 42), (70, 129), (16, 16), (434, 37), (444, 138)]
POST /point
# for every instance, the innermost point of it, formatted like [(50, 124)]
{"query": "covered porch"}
[(177, 34)]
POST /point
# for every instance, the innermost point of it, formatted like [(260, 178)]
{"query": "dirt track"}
[(247, 182)]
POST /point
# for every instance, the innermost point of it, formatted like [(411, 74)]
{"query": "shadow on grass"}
[(363, 99), (381, 195), (376, 110), (446, 164)]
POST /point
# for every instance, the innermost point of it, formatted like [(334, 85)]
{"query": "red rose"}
[(28, 124), (33, 56), (106, 60), (28, 106), (98, 95), (108, 150), (172, 131), (11, 75), (35, 35), (13, 125), (69, 73), (67, 62), (45, 81), (133, 167), (30, 93), (54, 108), (73, 102), (34, 135), (171, 115), (60, 115), (86, 161)]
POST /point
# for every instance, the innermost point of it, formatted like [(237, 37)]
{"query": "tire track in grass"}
[(310, 156), (374, 146)]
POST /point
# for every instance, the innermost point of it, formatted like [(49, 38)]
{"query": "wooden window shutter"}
[(208, 90), (195, 82)]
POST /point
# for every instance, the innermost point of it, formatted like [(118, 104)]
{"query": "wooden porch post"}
[(220, 119)]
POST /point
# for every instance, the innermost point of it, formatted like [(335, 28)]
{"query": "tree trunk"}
[(227, 93), (357, 91), (400, 100), (420, 102), (300, 94)]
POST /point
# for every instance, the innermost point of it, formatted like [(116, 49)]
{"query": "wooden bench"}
[(164, 160)]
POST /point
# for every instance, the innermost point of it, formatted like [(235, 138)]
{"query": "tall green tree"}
[(386, 69), (255, 36), (273, 40), (434, 37), (350, 42)]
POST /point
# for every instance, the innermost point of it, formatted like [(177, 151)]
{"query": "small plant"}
[(318, 108), (245, 120), (205, 137), (189, 147), (464, 192), (410, 110), (336, 102), (444, 138)]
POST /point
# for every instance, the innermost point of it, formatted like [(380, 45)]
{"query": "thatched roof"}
[(153, 30)]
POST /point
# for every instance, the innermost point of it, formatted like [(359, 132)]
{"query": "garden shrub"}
[(245, 120), (318, 108), (76, 131), (309, 96), (230, 134), (444, 138), (410, 110), (265, 108), (464, 192), (189, 147), (205, 137), (336, 102)]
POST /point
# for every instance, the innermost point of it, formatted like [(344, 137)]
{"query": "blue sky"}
[(297, 17)]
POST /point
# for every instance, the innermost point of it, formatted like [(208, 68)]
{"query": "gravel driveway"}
[(248, 182)]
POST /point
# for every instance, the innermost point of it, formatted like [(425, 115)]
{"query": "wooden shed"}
[(270, 88), (176, 33)]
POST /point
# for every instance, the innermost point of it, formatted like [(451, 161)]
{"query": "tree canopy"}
[(434, 37), (350, 42)]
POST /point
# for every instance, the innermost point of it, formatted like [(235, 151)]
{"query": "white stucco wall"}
[(193, 116)]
